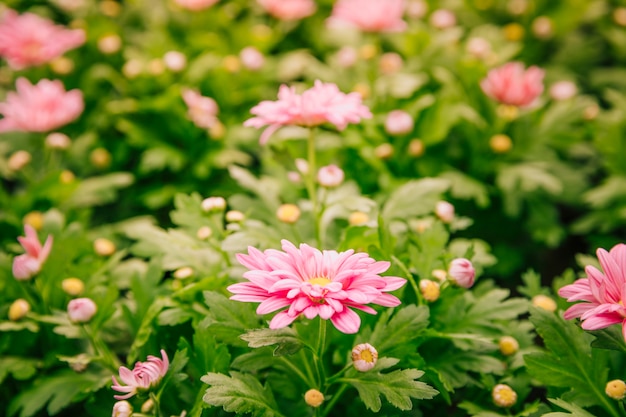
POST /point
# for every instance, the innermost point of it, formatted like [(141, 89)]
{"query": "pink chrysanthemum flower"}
[(319, 104), (314, 283), (369, 15), (289, 9), (41, 107), (202, 111), (511, 84), (604, 293), (28, 40), (27, 265), (144, 376)]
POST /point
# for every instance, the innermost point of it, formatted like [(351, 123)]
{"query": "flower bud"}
[(398, 122), (513, 32), (347, 57), (204, 233), (364, 357), (542, 27), (517, 7), (18, 160), (182, 273), (109, 44), (18, 309), (616, 389), (384, 151), (35, 219), (390, 63), (461, 271), (544, 302), (58, 140), (66, 177), (62, 65), (442, 19), (479, 48), (562, 90), (500, 143), (122, 409), (416, 148), (175, 61), (416, 9), (132, 68), (313, 397), (156, 66), (358, 218), (73, 286), (81, 310), (213, 204), (368, 51), (100, 158), (444, 211), (110, 8), (217, 130), (231, 63), (147, 406), (288, 213), (439, 274), (294, 177), (234, 216), (619, 16), (104, 247), (252, 58), (504, 396), (508, 345), (302, 165), (363, 89), (507, 112), (330, 176), (430, 290), (591, 112)]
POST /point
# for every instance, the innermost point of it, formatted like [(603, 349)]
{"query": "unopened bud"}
[(444, 211), (288, 213), (416, 9), (213, 204), (35, 219), (330, 176), (19, 160), (442, 19), (109, 44), (132, 68), (234, 216), (507, 112), (368, 51), (542, 27), (616, 389), (500, 143), (231, 63), (363, 89), (204, 233), (544, 302), (110, 8), (416, 148), (175, 61), (517, 7), (619, 16), (19, 309), (504, 396), (104, 247), (147, 406), (384, 151), (122, 409), (182, 273), (439, 274), (430, 290), (302, 165), (156, 66), (462, 272), (398, 122), (252, 58), (58, 140), (364, 357), (73, 286), (591, 112), (358, 218), (508, 345), (66, 177), (81, 310), (313, 397), (217, 130), (479, 48), (513, 32), (100, 158), (390, 63), (421, 225), (62, 65), (562, 90), (347, 57)]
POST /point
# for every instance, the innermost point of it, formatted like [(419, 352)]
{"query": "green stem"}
[(410, 278), (157, 406), (311, 183), (295, 369), (321, 344), (334, 400), (101, 349)]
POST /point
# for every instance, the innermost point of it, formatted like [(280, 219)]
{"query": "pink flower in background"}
[(195, 4), (29, 264), (398, 122), (81, 310), (319, 104), (461, 271), (41, 107), (27, 40), (604, 294), (314, 283), (289, 9), (144, 376), (330, 176), (369, 15), (511, 84), (252, 58), (201, 110)]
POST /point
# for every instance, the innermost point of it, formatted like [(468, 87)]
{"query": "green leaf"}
[(423, 193), (286, 338), (395, 334), (21, 368), (609, 338), (398, 387), (100, 190), (147, 327), (576, 411), (241, 394), (429, 247), (229, 319)]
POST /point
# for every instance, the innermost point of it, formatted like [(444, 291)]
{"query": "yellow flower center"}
[(366, 356), (321, 281)]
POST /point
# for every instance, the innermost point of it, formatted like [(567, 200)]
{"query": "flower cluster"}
[(145, 375)]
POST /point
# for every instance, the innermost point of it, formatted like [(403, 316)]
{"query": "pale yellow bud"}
[(616, 389), (507, 112), (231, 63), (62, 65), (430, 290), (508, 345), (35, 219), (261, 32), (288, 213), (147, 406), (517, 7), (504, 396), (420, 226), (363, 89), (513, 32), (542, 27), (234, 216), (591, 112), (358, 218), (19, 309), (368, 51), (364, 357), (66, 177), (384, 151), (182, 273), (73, 286), (19, 160), (213, 204), (416, 148), (204, 233), (104, 247), (132, 68), (109, 44), (110, 8), (439, 274), (100, 158), (313, 397), (544, 302), (156, 66), (58, 140), (500, 143), (217, 130), (619, 16)]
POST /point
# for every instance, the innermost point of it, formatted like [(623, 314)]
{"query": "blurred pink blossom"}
[(604, 294), (195, 4), (461, 271), (442, 19), (28, 40), (330, 176), (369, 15), (252, 58), (563, 90), (41, 107), (144, 376), (444, 211), (289, 9), (27, 265), (319, 104), (398, 122), (511, 84), (314, 283), (201, 110), (81, 310)]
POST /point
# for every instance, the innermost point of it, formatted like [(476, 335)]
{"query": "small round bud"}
[(439, 274), (591, 112), (217, 130), (122, 409), (508, 345), (294, 177), (175, 61), (364, 357), (421, 225), (213, 204), (132, 68), (368, 51), (147, 406), (110, 8), (73, 286), (444, 211), (507, 112), (500, 143), (58, 140), (18, 309), (416, 9), (513, 32), (398, 122), (288, 213), (109, 44), (261, 32), (104, 247), (204, 233), (231, 63), (442, 19), (330, 176), (358, 218), (66, 177), (100, 158), (416, 148), (252, 58), (384, 151), (542, 27), (234, 216), (81, 310), (390, 63), (35, 219), (619, 16), (363, 89), (313, 397), (504, 396), (347, 57), (517, 7), (184, 272), (430, 290), (62, 65), (562, 90), (302, 165), (616, 389), (18, 160), (544, 302), (462, 272), (156, 66), (479, 48)]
